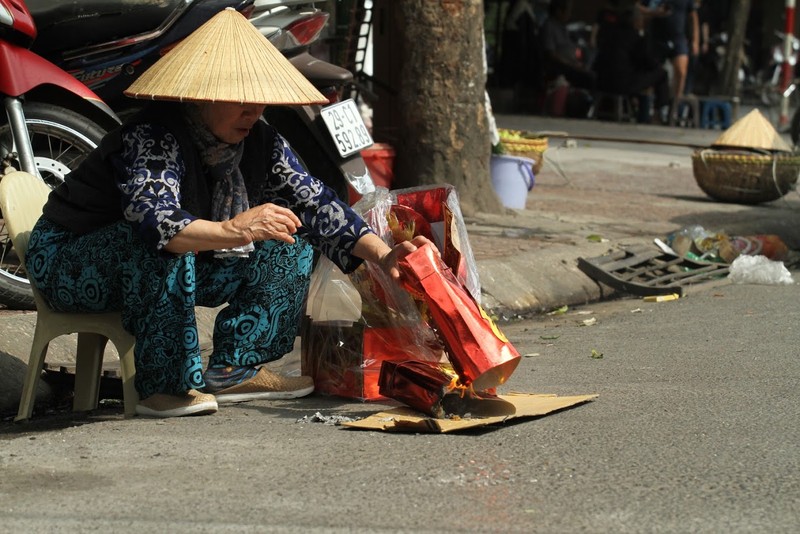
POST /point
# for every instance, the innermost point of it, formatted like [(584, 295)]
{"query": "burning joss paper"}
[(427, 387)]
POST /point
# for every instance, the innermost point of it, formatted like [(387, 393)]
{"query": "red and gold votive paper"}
[(478, 351), (421, 385)]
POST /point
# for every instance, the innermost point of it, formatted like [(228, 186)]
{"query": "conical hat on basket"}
[(752, 131), (226, 60)]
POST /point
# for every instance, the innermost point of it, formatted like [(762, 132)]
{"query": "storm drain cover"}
[(646, 271)]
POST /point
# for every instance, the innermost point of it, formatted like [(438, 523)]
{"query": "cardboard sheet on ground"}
[(506, 407)]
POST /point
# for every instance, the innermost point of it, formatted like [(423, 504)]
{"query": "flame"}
[(456, 385)]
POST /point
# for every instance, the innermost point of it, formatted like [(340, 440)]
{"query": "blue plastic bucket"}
[(512, 178)]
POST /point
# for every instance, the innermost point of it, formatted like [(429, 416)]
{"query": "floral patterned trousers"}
[(110, 269)]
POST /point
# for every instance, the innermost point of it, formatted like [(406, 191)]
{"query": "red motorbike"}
[(52, 121)]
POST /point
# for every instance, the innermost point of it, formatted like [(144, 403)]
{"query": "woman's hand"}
[(372, 248), (260, 223), (266, 222)]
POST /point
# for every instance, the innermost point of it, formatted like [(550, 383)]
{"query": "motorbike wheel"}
[(61, 140)]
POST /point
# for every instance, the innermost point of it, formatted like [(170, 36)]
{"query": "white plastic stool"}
[(22, 197)]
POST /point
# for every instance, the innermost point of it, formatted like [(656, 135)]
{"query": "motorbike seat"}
[(321, 73), (64, 26)]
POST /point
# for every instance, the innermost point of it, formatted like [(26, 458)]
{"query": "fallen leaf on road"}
[(594, 238)]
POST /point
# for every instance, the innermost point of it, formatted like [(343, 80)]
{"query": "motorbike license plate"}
[(346, 127)]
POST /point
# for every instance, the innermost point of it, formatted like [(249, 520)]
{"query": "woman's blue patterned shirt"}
[(152, 162)]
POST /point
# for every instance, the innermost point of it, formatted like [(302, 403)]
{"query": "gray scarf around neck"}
[(221, 163)]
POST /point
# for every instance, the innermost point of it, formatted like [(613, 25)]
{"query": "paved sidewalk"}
[(619, 193)]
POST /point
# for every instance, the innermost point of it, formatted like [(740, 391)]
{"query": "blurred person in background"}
[(566, 73), (562, 56), (673, 29), (623, 64)]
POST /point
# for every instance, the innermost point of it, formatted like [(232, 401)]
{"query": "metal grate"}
[(650, 271)]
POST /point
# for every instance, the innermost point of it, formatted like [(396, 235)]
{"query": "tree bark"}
[(442, 124), (737, 27)]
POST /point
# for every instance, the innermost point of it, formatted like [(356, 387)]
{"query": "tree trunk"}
[(737, 27), (442, 125)]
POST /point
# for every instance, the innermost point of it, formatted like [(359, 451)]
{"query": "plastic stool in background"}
[(685, 111), (555, 101), (716, 113), (379, 159), (616, 106)]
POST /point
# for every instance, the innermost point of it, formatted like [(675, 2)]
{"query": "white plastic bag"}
[(759, 270)]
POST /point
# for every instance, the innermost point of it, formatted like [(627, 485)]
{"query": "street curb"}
[(537, 282)]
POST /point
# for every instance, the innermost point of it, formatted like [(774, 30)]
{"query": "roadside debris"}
[(326, 419), (492, 413), (699, 244), (595, 238), (547, 338), (662, 298)]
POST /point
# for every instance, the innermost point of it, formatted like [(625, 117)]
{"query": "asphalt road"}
[(694, 430)]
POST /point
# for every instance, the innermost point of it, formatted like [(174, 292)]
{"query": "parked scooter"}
[(108, 47), (104, 45), (772, 76), (328, 139), (52, 122)]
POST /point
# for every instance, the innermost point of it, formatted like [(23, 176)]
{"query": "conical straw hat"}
[(753, 131), (226, 60)]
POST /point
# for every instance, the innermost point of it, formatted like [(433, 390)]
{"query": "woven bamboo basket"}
[(527, 145), (745, 177)]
